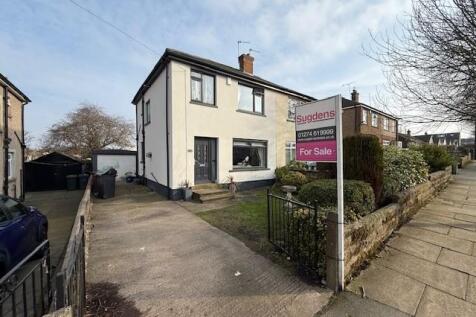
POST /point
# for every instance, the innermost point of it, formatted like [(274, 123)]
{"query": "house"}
[(12, 128), (360, 118), (406, 140), (441, 138), (204, 122)]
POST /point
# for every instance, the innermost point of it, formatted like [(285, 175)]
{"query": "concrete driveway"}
[(166, 261)]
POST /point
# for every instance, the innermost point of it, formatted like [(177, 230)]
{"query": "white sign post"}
[(319, 139)]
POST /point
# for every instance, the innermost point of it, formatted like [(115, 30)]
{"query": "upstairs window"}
[(374, 119), (392, 125), (364, 116), (290, 150), (292, 104), (203, 88), (250, 99), (385, 124), (147, 112)]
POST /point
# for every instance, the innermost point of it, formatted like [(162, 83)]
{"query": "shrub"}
[(297, 165), (281, 172), (294, 178), (359, 199), (402, 170), (363, 160), (435, 156)]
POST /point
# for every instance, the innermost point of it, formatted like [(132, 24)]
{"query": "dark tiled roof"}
[(347, 103), (114, 152), (14, 88), (409, 138), (448, 137), (171, 54)]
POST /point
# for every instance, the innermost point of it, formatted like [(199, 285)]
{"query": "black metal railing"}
[(298, 230), (26, 289), (71, 278)]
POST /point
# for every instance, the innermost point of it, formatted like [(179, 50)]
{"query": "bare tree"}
[(430, 61), (86, 129)]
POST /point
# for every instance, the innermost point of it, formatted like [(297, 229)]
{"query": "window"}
[(392, 125), (292, 104), (249, 154), (147, 112), (385, 123), (364, 116), (250, 99), (374, 119), (203, 88), (290, 150), (12, 207), (386, 142), (11, 164)]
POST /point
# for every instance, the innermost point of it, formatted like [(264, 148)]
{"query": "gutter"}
[(167, 127), (6, 140)]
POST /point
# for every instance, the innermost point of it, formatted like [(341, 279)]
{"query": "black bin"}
[(83, 181), (71, 182), (105, 186)]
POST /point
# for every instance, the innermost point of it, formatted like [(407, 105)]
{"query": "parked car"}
[(22, 229)]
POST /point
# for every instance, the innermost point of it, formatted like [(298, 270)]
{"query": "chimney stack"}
[(355, 96), (246, 63)]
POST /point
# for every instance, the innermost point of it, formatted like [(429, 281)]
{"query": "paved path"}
[(166, 261), (429, 267)]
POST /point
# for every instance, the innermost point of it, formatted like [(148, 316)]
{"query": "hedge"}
[(363, 160), (359, 199), (437, 157)]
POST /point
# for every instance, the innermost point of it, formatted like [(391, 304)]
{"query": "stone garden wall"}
[(364, 237)]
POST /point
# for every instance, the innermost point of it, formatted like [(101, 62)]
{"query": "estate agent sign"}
[(319, 139)]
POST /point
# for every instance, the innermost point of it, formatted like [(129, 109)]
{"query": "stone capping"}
[(363, 238)]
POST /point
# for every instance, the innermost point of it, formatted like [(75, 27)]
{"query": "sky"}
[(61, 56)]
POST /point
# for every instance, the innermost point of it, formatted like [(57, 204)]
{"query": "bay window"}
[(250, 99), (203, 88), (249, 154)]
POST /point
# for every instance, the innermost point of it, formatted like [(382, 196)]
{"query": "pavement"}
[(428, 268), (60, 206), (166, 261)]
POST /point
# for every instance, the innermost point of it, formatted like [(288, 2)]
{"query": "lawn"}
[(247, 221)]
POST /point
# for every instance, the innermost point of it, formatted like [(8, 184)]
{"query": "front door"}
[(205, 160)]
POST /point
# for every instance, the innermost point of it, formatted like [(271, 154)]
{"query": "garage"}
[(123, 161), (48, 172)]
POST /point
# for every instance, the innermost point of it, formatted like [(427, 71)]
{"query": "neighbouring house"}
[(406, 140), (204, 122), (48, 172), (467, 141), (123, 161), (441, 138), (360, 118), (12, 127)]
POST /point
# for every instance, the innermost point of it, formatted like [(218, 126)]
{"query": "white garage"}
[(123, 161)]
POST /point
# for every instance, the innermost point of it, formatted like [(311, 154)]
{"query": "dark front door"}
[(205, 160)]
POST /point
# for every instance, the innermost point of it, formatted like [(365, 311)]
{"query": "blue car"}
[(22, 229)]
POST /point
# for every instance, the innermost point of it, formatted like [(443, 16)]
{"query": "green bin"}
[(71, 182)]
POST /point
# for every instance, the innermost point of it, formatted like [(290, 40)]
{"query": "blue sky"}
[(61, 56)]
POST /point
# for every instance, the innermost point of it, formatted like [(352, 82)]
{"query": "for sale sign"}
[(316, 130)]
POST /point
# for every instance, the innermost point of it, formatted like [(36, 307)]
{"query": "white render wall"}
[(155, 133), (121, 163), (224, 123)]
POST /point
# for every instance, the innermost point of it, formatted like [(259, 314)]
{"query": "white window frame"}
[(365, 115), (11, 164), (147, 117), (385, 124), (292, 104), (386, 142), (374, 119), (248, 143), (290, 151)]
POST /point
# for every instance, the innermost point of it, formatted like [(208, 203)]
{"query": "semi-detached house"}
[(203, 122)]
